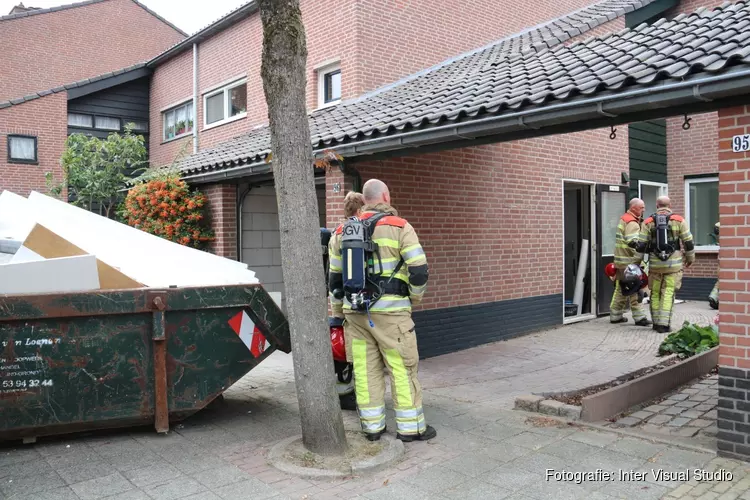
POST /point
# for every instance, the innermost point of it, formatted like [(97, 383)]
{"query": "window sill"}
[(328, 105), (22, 162), (224, 122), (177, 138), (707, 250)]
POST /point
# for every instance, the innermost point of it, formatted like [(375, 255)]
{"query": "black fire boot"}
[(348, 402), (661, 328), (621, 320), (375, 436), (643, 322), (428, 434)]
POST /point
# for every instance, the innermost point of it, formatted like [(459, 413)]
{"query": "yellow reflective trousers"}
[(663, 288), (391, 343)]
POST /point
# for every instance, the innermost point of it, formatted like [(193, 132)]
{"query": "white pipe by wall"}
[(583, 261), (195, 98)]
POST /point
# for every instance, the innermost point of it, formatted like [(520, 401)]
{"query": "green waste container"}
[(106, 359)]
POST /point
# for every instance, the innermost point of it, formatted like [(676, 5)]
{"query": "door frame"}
[(599, 189), (592, 256), (662, 185)]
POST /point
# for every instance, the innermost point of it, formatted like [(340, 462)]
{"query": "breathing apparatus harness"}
[(663, 241), (362, 285)]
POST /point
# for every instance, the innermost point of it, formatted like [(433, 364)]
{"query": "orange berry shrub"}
[(166, 207)]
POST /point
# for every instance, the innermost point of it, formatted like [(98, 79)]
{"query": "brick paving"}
[(483, 449), (689, 412)]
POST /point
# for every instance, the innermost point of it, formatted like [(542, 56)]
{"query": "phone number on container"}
[(10, 384)]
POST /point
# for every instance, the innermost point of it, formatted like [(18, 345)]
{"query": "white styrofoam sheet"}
[(66, 274), (149, 259), (15, 221), (25, 255)]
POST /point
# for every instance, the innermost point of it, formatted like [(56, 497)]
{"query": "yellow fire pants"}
[(391, 344), (620, 303), (663, 288)]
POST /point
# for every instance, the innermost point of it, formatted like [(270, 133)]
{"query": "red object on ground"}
[(338, 345)]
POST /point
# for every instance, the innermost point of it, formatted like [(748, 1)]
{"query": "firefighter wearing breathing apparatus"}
[(661, 236), (378, 271), (627, 231), (713, 298)]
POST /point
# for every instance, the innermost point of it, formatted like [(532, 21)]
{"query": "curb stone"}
[(391, 453)]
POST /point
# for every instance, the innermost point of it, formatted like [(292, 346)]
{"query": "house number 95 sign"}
[(741, 143)]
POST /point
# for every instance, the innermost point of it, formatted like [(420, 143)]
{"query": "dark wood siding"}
[(648, 153), (128, 102)]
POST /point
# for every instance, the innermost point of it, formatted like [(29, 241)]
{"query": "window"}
[(702, 209), (22, 149), (138, 126), (329, 85), (649, 192), (106, 123), (81, 121), (226, 104), (178, 121)]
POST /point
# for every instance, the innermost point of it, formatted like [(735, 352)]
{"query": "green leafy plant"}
[(690, 340), (95, 171)]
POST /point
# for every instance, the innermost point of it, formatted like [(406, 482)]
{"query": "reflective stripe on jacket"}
[(627, 231), (680, 232), (396, 239)]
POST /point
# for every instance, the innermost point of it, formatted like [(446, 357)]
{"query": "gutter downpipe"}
[(195, 97), (240, 202)]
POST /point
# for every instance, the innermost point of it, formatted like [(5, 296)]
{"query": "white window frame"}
[(173, 107), (661, 185), (688, 182), (322, 72), (225, 89)]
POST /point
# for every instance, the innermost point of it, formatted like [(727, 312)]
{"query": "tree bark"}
[(284, 83)]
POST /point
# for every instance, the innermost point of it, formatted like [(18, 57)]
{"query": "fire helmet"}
[(610, 270), (338, 345), (633, 280)]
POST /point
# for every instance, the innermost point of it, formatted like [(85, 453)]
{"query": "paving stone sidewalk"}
[(689, 412), (483, 449)]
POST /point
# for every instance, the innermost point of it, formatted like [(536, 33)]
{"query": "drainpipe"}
[(240, 202), (195, 98)]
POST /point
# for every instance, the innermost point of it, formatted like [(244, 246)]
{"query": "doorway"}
[(649, 192), (578, 236)]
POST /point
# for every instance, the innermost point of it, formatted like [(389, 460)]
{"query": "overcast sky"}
[(188, 15)]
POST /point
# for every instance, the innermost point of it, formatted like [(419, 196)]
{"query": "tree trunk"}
[(284, 82)]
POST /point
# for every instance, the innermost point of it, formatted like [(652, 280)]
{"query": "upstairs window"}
[(82, 120), (225, 104), (329, 85), (22, 149), (178, 121)]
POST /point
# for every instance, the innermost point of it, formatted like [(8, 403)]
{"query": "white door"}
[(649, 192)]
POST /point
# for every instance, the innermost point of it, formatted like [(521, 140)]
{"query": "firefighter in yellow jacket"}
[(627, 231), (666, 236), (380, 334)]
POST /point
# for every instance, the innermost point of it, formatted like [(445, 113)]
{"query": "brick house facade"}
[(42, 50)]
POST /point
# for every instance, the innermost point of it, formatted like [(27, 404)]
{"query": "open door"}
[(611, 203)]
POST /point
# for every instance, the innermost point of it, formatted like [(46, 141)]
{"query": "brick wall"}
[(490, 217), (222, 206), (46, 119), (734, 299), (47, 50), (690, 152), (370, 57)]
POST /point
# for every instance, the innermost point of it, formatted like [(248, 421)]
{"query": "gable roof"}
[(518, 76), (37, 12)]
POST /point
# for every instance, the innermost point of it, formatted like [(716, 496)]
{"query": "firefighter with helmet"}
[(713, 298), (627, 232), (378, 270), (665, 236)]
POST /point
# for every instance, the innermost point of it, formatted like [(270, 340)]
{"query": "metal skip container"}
[(115, 358)]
